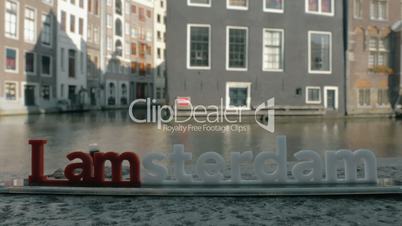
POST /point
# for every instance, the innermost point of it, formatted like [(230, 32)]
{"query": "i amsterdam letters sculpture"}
[(90, 171)]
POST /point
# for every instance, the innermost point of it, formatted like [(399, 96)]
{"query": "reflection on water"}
[(113, 131)]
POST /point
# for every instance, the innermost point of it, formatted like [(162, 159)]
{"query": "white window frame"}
[(35, 63), (379, 19), (358, 98), (282, 50), (383, 105), (189, 67), (228, 6), (361, 12), (334, 88), (309, 52), (227, 48), (311, 101), (189, 3), (18, 20), (238, 85), (269, 10), (51, 66), (16, 59), (17, 98), (35, 24), (319, 12)]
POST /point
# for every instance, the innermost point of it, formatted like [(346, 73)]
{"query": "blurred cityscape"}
[(316, 57)]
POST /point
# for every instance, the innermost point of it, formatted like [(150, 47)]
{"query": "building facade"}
[(373, 56), (160, 50), (28, 69), (127, 38), (94, 73), (74, 55), (245, 52), (71, 55)]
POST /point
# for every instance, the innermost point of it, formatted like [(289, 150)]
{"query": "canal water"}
[(114, 131)]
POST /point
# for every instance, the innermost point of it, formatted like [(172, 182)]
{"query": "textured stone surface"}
[(60, 210)]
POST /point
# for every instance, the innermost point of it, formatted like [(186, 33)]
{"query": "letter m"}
[(350, 160), (117, 165)]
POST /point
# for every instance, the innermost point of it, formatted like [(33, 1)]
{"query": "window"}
[(198, 46), (133, 67), (119, 48), (96, 7), (273, 50), (11, 19), (72, 23), (118, 28), (143, 71), (45, 92), (379, 9), (29, 25), (89, 6), (63, 21), (238, 95), (62, 57), (46, 35), (71, 63), (81, 26), (11, 60), (30, 63), (199, 3), (364, 97), (158, 53), (119, 6), (46, 65), (382, 97), (236, 48), (133, 49), (10, 91), (358, 9), (237, 4), (322, 7), (320, 51), (313, 95), (379, 52), (123, 99), (276, 6)]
